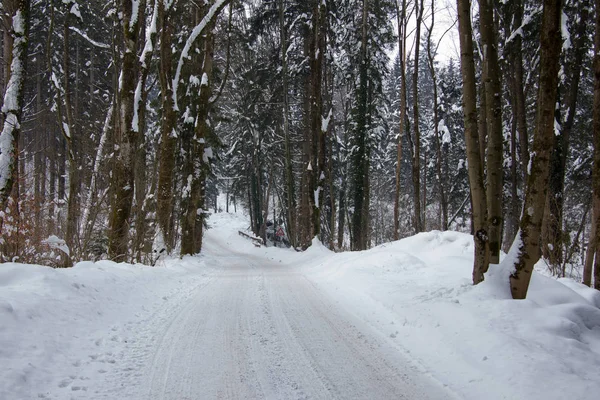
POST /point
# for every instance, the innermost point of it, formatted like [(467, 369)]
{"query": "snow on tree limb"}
[(89, 39), (150, 33), (210, 16), (146, 54)]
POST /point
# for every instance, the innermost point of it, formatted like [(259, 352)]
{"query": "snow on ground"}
[(474, 339), (61, 330), (106, 330)]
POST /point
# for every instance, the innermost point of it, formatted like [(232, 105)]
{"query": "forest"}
[(353, 121)]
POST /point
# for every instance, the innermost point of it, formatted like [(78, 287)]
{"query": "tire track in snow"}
[(257, 330)]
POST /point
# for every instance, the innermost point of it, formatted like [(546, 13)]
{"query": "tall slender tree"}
[(126, 134), (592, 262), (402, 23), (527, 244), (474, 157), (493, 128), (415, 141), (17, 15)]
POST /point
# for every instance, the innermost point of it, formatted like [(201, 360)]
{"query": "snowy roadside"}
[(66, 331), (474, 340)]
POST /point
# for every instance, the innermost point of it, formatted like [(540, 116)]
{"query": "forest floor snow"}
[(400, 321)]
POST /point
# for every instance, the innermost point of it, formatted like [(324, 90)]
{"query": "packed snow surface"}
[(400, 321)]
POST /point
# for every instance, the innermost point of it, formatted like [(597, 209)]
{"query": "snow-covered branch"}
[(212, 13), (146, 54), (89, 39)]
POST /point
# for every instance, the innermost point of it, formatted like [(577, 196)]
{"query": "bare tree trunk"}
[(474, 158), (201, 133), (139, 121), (361, 155), (595, 234), (590, 253), (512, 221), (436, 133), (552, 232), (343, 192), (70, 135), (520, 106), (16, 21), (317, 55), (164, 209), (39, 159), (307, 167), (575, 244), (493, 111), (126, 136), (402, 25), (290, 195), (265, 209), (88, 220), (514, 77), (527, 243), (416, 162), (12, 104), (193, 219), (332, 194), (482, 121), (62, 98), (313, 105)]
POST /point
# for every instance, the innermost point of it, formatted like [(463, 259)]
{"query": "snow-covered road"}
[(400, 321), (257, 330)]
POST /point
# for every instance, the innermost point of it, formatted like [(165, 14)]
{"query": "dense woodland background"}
[(338, 119)]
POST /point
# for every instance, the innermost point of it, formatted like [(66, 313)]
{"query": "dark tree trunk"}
[(474, 157), (126, 138), (552, 232), (290, 194), (416, 161), (166, 159), (361, 155), (493, 111), (436, 134), (528, 242), (402, 27), (317, 175), (595, 234)]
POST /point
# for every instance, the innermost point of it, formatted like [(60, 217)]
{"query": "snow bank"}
[(474, 339), (63, 328)]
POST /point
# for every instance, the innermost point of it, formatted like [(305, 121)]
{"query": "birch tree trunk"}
[(12, 104)]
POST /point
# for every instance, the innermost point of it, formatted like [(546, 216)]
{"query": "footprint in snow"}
[(64, 383)]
